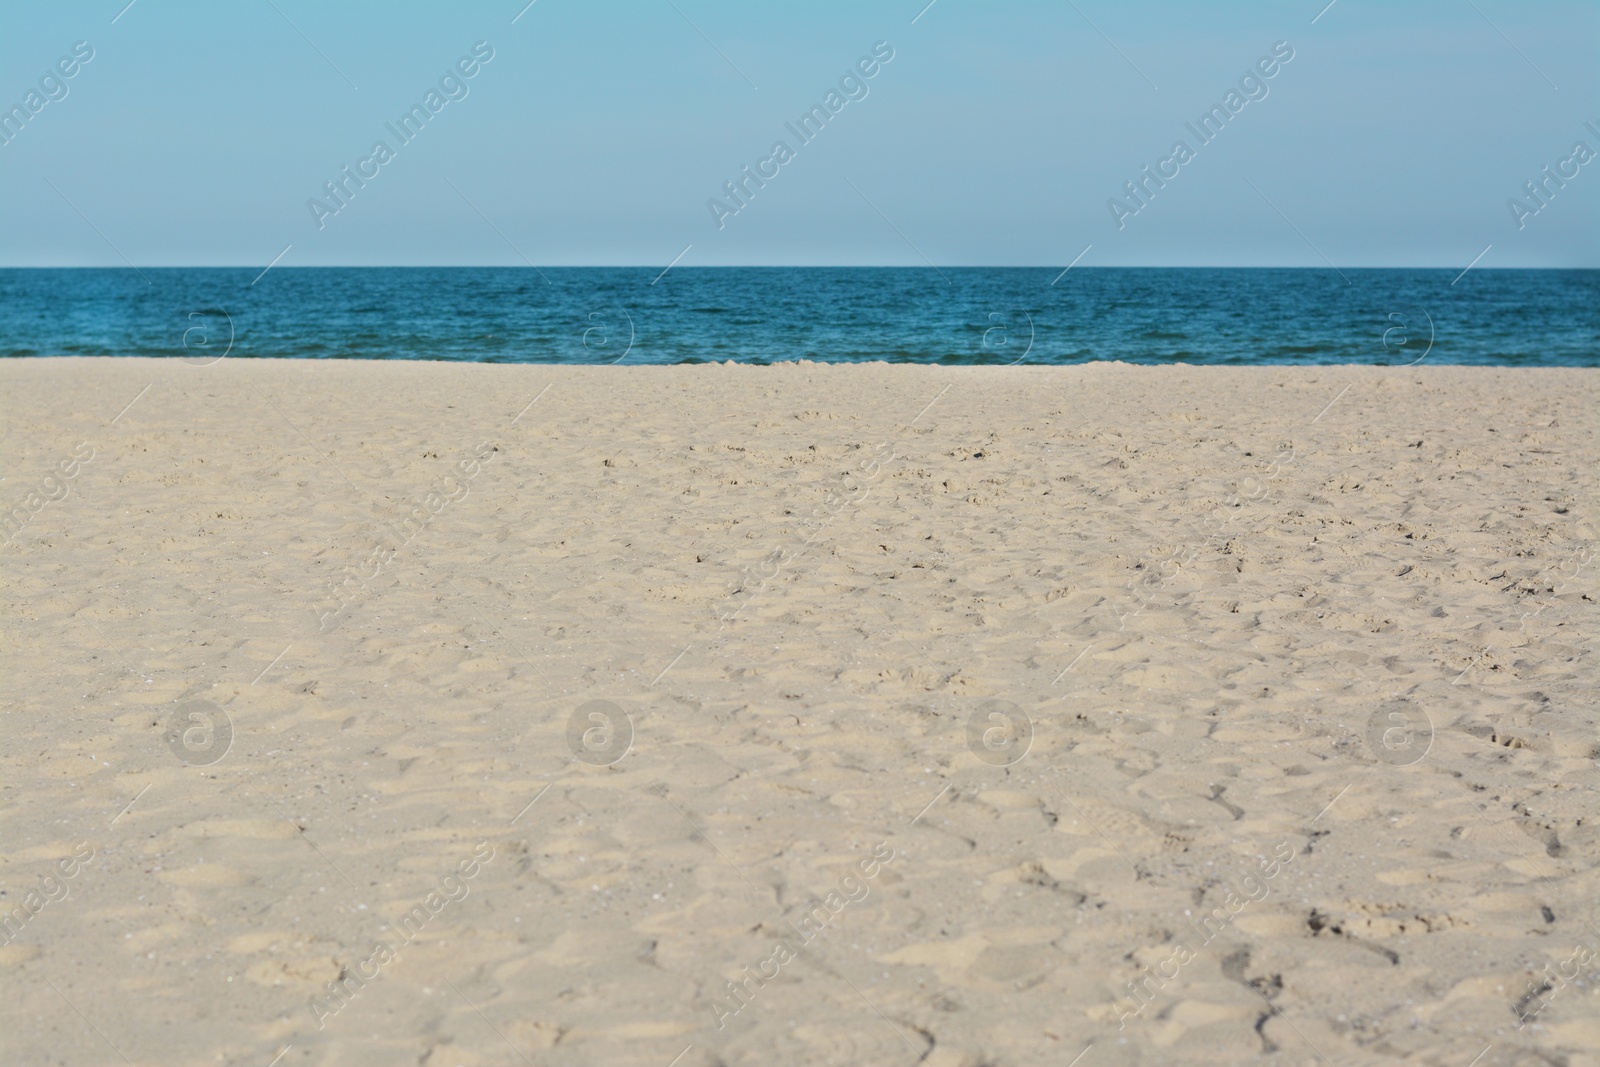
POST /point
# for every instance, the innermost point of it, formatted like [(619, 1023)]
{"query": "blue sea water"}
[(952, 315)]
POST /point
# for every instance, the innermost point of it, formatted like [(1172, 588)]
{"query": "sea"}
[(762, 315)]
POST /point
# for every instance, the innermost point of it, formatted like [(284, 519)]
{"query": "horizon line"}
[(758, 266)]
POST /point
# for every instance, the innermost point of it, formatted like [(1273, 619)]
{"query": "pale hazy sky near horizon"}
[(1396, 134)]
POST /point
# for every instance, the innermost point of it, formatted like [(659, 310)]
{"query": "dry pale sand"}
[(295, 654)]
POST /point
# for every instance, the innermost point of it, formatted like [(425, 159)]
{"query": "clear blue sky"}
[(996, 135)]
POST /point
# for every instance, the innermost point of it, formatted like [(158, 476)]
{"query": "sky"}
[(1396, 133)]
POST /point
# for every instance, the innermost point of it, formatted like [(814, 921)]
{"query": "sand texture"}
[(386, 713)]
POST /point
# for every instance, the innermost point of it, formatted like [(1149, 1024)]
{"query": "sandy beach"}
[(391, 713)]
